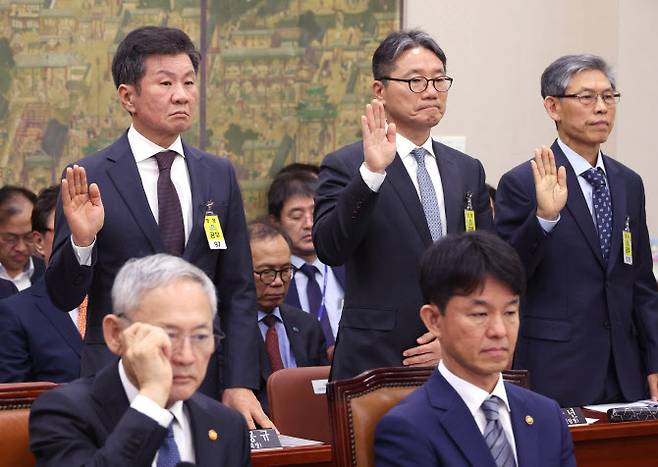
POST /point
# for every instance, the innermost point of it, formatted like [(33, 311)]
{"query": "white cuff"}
[(152, 410), (83, 253), (374, 180), (548, 225)]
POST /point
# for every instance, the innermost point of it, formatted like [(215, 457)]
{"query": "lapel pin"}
[(212, 434), (529, 420), (295, 328)]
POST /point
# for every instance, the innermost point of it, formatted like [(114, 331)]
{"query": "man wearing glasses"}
[(291, 338), (382, 201), (589, 325), (145, 408)]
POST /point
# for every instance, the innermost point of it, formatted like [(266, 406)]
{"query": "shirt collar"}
[(578, 162), (276, 312), (299, 262), (472, 395), (405, 146), (28, 269), (143, 148)]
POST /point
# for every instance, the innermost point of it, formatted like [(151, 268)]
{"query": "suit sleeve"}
[(398, 443), (482, 206), (15, 361), (343, 208)]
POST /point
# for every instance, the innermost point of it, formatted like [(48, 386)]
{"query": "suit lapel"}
[(292, 297), (452, 190), (207, 451), (61, 321), (619, 211), (577, 205), (200, 186), (399, 177), (124, 175), (525, 435), (293, 331), (109, 395)]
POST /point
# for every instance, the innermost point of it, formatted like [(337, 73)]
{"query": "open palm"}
[(550, 184), (378, 140), (82, 206)]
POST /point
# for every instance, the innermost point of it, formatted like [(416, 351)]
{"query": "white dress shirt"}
[(177, 412), (474, 396), (143, 150), (404, 147), (23, 279)]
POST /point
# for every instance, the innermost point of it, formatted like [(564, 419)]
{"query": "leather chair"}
[(15, 402), (357, 404), (295, 409)]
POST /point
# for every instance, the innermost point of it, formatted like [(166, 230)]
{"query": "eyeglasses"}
[(13, 239), (200, 341), (418, 84), (610, 99), (267, 276)]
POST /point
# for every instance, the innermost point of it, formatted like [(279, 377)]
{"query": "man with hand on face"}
[(382, 201), (150, 192), (589, 332), (465, 415), (145, 410)]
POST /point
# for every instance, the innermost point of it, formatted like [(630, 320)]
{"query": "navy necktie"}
[(170, 214), (494, 435), (427, 195), (168, 455), (272, 343), (602, 205), (314, 295)]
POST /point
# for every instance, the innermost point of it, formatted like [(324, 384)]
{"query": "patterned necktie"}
[(272, 343), (82, 317), (427, 195), (168, 455), (170, 215), (314, 295), (494, 435), (602, 205)]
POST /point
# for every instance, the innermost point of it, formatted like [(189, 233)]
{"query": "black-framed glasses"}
[(418, 84), (588, 99), (267, 276), (13, 239)]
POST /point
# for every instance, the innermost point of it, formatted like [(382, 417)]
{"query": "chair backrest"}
[(15, 402), (356, 405), (295, 408)]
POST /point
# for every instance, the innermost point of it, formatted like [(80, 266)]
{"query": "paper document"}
[(291, 441)]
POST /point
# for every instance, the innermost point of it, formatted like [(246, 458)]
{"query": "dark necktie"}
[(272, 344), (170, 215), (427, 194), (314, 295), (168, 455), (494, 435), (602, 207)]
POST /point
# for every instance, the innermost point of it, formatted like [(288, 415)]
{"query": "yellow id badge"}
[(214, 232), (469, 220), (627, 241)]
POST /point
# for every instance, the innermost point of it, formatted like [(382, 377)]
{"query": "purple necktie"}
[(314, 295), (170, 215)]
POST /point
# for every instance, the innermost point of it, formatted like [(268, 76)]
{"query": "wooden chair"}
[(15, 402), (295, 409), (356, 405)]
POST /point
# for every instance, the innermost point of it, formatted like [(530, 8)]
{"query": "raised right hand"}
[(378, 141), (550, 184), (82, 205)]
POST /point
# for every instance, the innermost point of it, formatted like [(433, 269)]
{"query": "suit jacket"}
[(89, 422), (7, 288), (306, 342), (433, 427), (380, 238), (292, 297), (130, 231), (39, 342), (577, 309)]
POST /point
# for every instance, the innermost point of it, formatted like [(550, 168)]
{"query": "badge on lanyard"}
[(213, 229), (469, 214), (628, 242)]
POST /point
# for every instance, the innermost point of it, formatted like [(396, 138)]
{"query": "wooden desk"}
[(310, 456), (604, 444)]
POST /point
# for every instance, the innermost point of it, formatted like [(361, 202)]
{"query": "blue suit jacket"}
[(433, 427), (7, 288), (577, 310), (130, 231), (89, 422), (38, 342), (380, 237)]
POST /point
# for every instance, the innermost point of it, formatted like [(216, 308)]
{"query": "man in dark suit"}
[(465, 415), (290, 337), (589, 332), (317, 288), (37, 341), (157, 193), (145, 410), (19, 269), (381, 202)]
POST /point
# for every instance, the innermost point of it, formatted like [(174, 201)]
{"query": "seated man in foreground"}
[(465, 414), (144, 410)]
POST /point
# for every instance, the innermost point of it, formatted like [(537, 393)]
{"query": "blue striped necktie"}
[(427, 195), (494, 435)]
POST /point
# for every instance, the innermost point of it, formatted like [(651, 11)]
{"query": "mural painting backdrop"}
[(285, 80)]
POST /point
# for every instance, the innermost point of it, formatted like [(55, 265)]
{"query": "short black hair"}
[(459, 264), (383, 60), (46, 201), (128, 62), (300, 167), (9, 194), (289, 184), (262, 229), (491, 190)]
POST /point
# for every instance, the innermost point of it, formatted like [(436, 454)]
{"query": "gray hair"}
[(396, 43), (555, 78), (140, 275)]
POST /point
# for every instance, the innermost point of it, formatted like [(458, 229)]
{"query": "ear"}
[(553, 108), (39, 243), (127, 93), (431, 317), (112, 333), (378, 89)]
